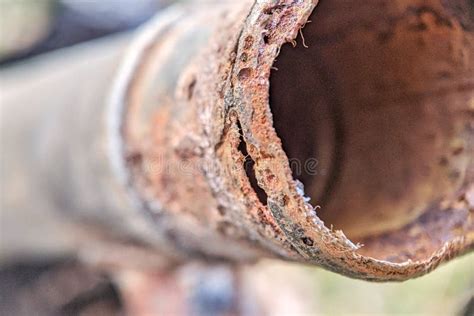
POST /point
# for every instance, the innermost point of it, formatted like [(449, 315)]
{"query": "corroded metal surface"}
[(195, 142)]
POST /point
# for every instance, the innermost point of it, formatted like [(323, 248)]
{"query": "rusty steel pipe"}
[(199, 147), (209, 145)]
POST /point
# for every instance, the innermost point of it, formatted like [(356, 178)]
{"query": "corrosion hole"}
[(249, 166), (266, 39), (191, 87), (307, 241), (244, 73), (274, 9), (221, 209)]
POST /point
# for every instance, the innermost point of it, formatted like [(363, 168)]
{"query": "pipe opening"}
[(365, 147)]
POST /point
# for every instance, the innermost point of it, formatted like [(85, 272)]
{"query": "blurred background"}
[(32, 29)]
